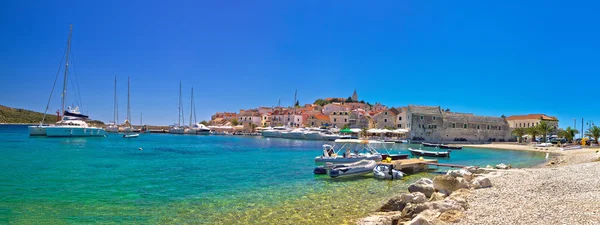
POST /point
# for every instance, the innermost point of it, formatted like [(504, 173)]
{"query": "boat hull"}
[(313, 136), (395, 157), (59, 131), (176, 131), (358, 168), (341, 159), (37, 130), (450, 147), (112, 129), (271, 134), (429, 153), (430, 145)]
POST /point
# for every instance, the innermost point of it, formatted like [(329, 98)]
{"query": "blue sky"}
[(486, 57)]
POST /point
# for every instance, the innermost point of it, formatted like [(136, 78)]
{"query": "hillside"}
[(14, 115)]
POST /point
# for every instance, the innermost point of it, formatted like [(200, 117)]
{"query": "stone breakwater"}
[(564, 192), (438, 201)]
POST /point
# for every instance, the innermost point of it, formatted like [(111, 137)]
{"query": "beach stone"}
[(423, 185), (445, 205), (471, 169), (457, 173), (451, 216), (461, 193), (446, 184), (462, 183), (412, 210), (397, 203), (436, 196), (502, 166), (481, 182), (427, 217), (489, 167), (381, 219)]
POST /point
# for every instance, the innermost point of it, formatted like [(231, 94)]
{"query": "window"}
[(334, 120), (422, 117), (312, 123), (345, 120), (333, 113), (399, 125), (488, 127), (434, 118), (385, 120), (297, 120), (385, 113), (400, 118), (465, 126), (477, 126), (499, 127), (453, 125), (419, 125)]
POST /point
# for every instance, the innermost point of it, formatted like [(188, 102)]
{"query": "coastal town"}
[(421, 123)]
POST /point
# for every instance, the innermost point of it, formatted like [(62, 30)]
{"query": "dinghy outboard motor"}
[(320, 170)]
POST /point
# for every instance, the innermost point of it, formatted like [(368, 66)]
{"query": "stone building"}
[(473, 128), (317, 120), (339, 119), (247, 118), (525, 121), (403, 118), (359, 119), (425, 122), (386, 118), (355, 96)]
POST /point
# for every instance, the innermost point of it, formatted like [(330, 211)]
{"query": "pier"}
[(416, 165)]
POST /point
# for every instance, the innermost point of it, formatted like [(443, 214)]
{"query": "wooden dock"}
[(416, 165)]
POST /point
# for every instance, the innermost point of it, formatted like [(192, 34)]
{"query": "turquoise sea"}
[(179, 179)]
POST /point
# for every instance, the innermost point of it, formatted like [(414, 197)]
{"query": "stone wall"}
[(478, 128)]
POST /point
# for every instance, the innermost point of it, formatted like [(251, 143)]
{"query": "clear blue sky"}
[(485, 57)]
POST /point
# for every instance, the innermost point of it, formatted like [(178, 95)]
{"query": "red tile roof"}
[(532, 117)]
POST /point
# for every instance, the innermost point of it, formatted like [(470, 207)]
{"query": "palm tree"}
[(593, 132), (533, 131), (519, 132), (544, 129), (568, 133)]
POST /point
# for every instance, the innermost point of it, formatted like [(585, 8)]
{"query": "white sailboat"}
[(72, 123), (113, 127), (126, 127), (178, 129), (195, 127)]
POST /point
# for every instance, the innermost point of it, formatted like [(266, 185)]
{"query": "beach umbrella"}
[(346, 130)]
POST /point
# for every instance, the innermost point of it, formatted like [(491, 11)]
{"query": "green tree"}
[(234, 122), (593, 132), (253, 127), (544, 129), (349, 99), (321, 102), (362, 101), (519, 132), (568, 133), (204, 122), (297, 105), (533, 131)]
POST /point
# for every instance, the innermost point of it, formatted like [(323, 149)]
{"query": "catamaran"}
[(177, 128), (72, 123)]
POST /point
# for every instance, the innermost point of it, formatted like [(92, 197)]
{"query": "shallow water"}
[(190, 179)]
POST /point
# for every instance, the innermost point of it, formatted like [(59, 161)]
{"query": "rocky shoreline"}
[(565, 190)]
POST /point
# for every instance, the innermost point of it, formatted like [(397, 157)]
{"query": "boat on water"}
[(295, 134), (127, 127), (430, 145), (353, 169), (419, 152), (387, 172), (72, 122), (353, 150), (442, 146), (113, 127), (131, 135), (177, 128), (274, 131)]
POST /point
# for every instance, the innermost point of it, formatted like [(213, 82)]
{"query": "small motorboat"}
[(419, 152), (430, 145), (394, 156), (330, 155), (131, 135), (387, 172), (357, 168), (450, 147)]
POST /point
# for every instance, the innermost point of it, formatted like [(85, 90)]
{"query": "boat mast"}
[(64, 94), (115, 112), (128, 105), (191, 107), (179, 107)]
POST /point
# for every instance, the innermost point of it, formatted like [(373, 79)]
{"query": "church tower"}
[(355, 96)]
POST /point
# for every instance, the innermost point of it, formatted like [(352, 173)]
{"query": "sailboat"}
[(72, 123), (126, 128), (178, 129), (113, 127), (195, 127)]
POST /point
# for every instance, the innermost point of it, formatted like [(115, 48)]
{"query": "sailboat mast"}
[(64, 93), (115, 112), (191, 107), (179, 107), (128, 105), (194, 103), (181, 103)]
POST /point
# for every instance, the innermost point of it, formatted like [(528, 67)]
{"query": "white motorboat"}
[(296, 134), (274, 132), (354, 151), (176, 130), (197, 129), (357, 168), (387, 172), (131, 135), (112, 128)]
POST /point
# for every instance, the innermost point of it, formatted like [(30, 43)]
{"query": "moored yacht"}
[(274, 132)]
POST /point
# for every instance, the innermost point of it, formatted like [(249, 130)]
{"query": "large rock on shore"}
[(481, 182), (445, 205), (436, 196), (381, 218), (412, 210), (397, 203), (446, 184), (427, 217), (422, 185)]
